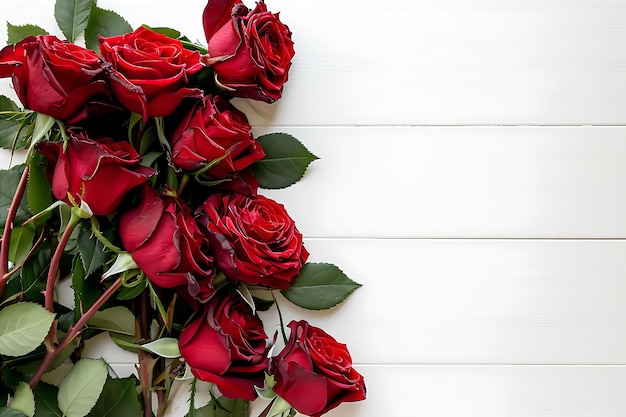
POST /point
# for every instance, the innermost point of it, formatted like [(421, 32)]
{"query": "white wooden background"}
[(472, 177)]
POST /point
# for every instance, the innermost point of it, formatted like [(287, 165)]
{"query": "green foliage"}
[(7, 412), (85, 292), (11, 119), (38, 192), (72, 17), (92, 252), (166, 347), (104, 23), (23, 327), (223, 407), (285, 162), (116, 319), (23, 400), (320, 286), (46, 400), (32, 276), (118, 399), (9, 180), (16, 33), (172, 33), (80, 389), (21, 242)]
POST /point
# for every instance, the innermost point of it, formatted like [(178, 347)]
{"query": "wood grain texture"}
[(472, 177), (439, 182), (424, 62)]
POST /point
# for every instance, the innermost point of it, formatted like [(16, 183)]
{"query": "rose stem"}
[(56, 262), (145, 365), (73, 332), (8, 228)]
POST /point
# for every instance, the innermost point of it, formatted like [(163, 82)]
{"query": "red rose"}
[(98, 172), (253, 49), (150, 71), (51, 76), (227, 346), (217, 135), (162, 237), (314, 372), (254, 239)]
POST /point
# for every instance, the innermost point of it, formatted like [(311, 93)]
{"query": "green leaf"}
[(320, 286), (118, 399), (23, 327), (166, 347), (9, 180), (46, 400), (10, 135), (116, 319), (7, 412), (172, 33), (38, 192), (86, 292), (31, 367), (16, 33), (34, 272), (224, 407), (261, 304), (80, 389), (72, 16), (104, 23), (92, 252), (285, 161), (23, 400), (21, 242)]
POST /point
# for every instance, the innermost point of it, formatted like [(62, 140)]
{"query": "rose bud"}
[(226, 345), (314, 372), (216, 136), (253, 49), (149, 71), (97, 172), (52, 76), (254, 239), (165, 242)]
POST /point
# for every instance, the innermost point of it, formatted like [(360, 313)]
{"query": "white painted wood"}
[(425, 182), (428, 62), (461, 182), (471, 301)]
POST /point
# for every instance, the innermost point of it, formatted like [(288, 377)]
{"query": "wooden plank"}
[(476, 301), (468, 302), (461, 182), (424, 62), (436, 182)]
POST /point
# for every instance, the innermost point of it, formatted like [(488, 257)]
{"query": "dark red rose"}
[(149, 71), (215, 135), (253, 49), (254, 239), (227, 346), (165, 242), (314, 372), (98, 172), (52, 76)]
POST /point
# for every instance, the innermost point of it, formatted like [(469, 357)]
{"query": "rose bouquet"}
[(141, 188)]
